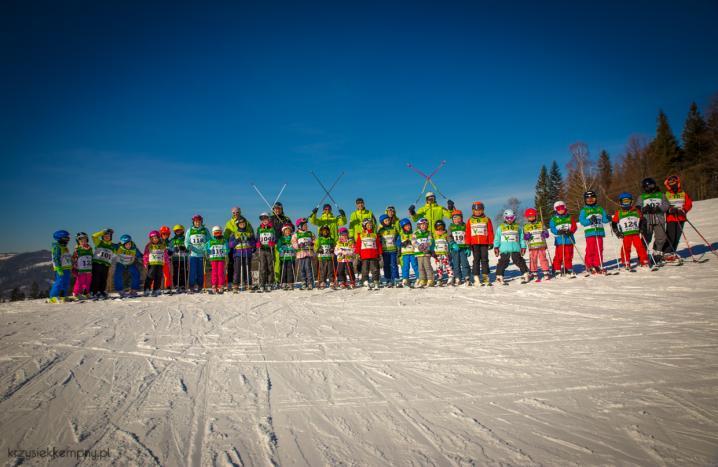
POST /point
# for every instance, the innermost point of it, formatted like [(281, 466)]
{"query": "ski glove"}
[(412, 210), (454, 247), (544, 234), (527, 236), (496, 251), (342, 213), (406, 243), (523, 251), (314, 211), (450, 205), (60, 272), (467, 252)]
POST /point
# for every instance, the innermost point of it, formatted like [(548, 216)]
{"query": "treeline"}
[(694, 159), (16, 294)]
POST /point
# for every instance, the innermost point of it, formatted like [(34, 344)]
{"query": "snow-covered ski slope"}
[(601, 370)]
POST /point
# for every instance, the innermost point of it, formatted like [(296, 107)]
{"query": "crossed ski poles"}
[(428, 179), (327, 193), (265, 199)]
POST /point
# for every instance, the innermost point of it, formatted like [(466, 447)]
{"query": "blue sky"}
[(132, 116)]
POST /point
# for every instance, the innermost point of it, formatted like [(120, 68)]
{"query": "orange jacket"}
[(477, 235), (679, 201)]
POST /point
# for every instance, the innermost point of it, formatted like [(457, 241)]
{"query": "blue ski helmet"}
[(61, 234), (404, 222), (382, 218), (125, 239), (625, 199)]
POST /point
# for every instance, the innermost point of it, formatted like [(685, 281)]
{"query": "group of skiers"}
[(288, 253)]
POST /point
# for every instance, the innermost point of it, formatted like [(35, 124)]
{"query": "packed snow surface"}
[(594, 370)]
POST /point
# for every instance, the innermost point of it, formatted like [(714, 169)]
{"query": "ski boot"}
[(405, 282), (526, 278), (500, 280)]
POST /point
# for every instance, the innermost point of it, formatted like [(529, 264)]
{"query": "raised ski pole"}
[(702, 237), (329, 191), (428, 178), (265, 199)]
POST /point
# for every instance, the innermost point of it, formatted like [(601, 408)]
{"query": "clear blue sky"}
[(132, 116)]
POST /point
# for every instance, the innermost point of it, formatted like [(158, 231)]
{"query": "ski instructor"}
[(431, 211)]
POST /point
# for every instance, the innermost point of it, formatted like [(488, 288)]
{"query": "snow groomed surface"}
[(599, 370)]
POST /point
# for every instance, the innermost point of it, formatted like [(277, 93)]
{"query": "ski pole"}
[(667, 242), (327, 192), (645, 243), (578, 251), (685, 239), (702, 237), (543, 227)]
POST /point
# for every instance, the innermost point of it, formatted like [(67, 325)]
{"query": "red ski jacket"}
[(368, 245)]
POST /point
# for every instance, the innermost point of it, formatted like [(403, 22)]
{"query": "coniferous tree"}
[(542, 198), (605, 176), (711, 161), (664, 153), (696, 148), (555, 184)]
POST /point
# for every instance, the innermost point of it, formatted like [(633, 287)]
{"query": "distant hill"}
[(22, 269)]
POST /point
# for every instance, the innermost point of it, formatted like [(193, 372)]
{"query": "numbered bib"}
[(84, 262), (126, 260), (389, 241), (478, 229), (266, 237), (217, 251), (368, 243), (197, 239), (655, 202), (459, 236), (628, 224), (104, 254), (677, 202), (536, 236)]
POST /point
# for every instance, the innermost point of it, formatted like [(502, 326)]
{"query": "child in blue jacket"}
[(509, 244)]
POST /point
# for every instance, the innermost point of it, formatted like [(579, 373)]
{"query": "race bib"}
[(368, 243), (407, 249), (217, 251), (441, 245), (459, 236), (266, 237), (84, 262), (325, 250), (654, 202), (65, 260), (677, 202), (157, 256), (304, 243), (628, 224), (389, 241), (126, 260), (536, 236), (344, 251), (103, 254), (510, 236), (478, 228), (197, 239)]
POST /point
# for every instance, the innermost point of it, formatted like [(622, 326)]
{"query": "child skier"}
[(165, 234), (62, 264), (680, 203), (154, 259), (536, 234), (625, 224), (178, 254), (510, 244), (218, 254), (243, 243), (441, 254), (82, 265), (563, 226), (653, 206), (101, 261), (303, 242), (324, 248), (423, 247), (480, 236), (286, 258), (408, 259), (389, 236), (368, 248), (266, 241), (458, 249), (196, 243), (592, 217), (345, 256), (128, 257)]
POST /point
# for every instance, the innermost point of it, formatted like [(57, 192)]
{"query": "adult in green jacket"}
[(431, 211), (329, 219), (357, 217), (230, 227)]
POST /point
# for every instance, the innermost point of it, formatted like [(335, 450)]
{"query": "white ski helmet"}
[(509, 214), (559, 204), (216, 229), (430, 194)]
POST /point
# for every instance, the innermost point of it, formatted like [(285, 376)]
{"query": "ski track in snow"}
[(614, 370)]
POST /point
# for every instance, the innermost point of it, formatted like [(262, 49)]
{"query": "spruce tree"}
[(555, 184), (605, 175), (542, 199), (695, 153), (664, 153)]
